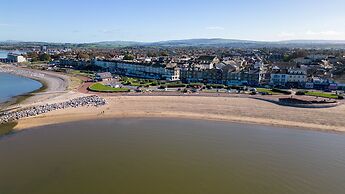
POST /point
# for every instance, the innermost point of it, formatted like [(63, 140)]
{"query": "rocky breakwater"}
[(10, 116)]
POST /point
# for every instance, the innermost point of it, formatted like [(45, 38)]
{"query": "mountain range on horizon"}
[(201, 42)]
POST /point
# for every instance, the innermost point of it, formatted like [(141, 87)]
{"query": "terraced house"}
[(140, 70), (228, 74)]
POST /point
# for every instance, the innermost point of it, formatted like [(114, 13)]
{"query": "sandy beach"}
[(241, 109)]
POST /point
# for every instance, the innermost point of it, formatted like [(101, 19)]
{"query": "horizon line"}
[(167, 40)]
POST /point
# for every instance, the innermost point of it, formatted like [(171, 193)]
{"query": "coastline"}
[(237, 109), (53, 85), (21, 98)]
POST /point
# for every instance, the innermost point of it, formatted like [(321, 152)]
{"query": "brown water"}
[(170, 156)]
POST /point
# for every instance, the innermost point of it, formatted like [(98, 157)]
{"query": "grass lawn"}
[(138, 82), (271, 91), (322, 94), (97, 87), (265, 90)]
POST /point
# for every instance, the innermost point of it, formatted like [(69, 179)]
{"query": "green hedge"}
[(216, 86), (300, 93), (192, 85)]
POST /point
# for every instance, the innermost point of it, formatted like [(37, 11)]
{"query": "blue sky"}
[(155, 20)]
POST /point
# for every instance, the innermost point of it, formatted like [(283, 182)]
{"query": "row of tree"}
[(38, 56)]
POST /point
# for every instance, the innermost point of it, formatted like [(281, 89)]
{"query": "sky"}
[(156, 20)]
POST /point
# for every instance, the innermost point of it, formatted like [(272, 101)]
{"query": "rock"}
[(41, 109)]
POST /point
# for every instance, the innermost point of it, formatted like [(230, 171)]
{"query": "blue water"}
[(11, 86), (3, 54)]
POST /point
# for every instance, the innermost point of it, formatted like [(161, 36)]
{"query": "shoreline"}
[(101, 113), (18, 127), (52, 85), (234, 109), (15, 127), (182, 108), (14, 100)]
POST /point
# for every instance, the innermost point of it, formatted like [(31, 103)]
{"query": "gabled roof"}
[(206, 58), (104, 75)]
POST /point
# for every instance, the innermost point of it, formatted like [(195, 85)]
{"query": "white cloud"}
[(215, 28)]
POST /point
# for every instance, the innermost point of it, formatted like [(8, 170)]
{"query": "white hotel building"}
[(283, 77)]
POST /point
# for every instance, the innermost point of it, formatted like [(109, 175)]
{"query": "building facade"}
[(288, 77), (15, 58), (146, 71)]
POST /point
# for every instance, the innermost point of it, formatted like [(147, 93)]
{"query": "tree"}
[(45, 57), (299, 53), (33, 56), (164, 53), (287, 58), (151, 54), (128, 57), (83, 56)]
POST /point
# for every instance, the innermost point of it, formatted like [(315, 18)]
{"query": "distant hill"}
[(215, 42), (203, 42), (233, 43), (112, 44), (312, 42)]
